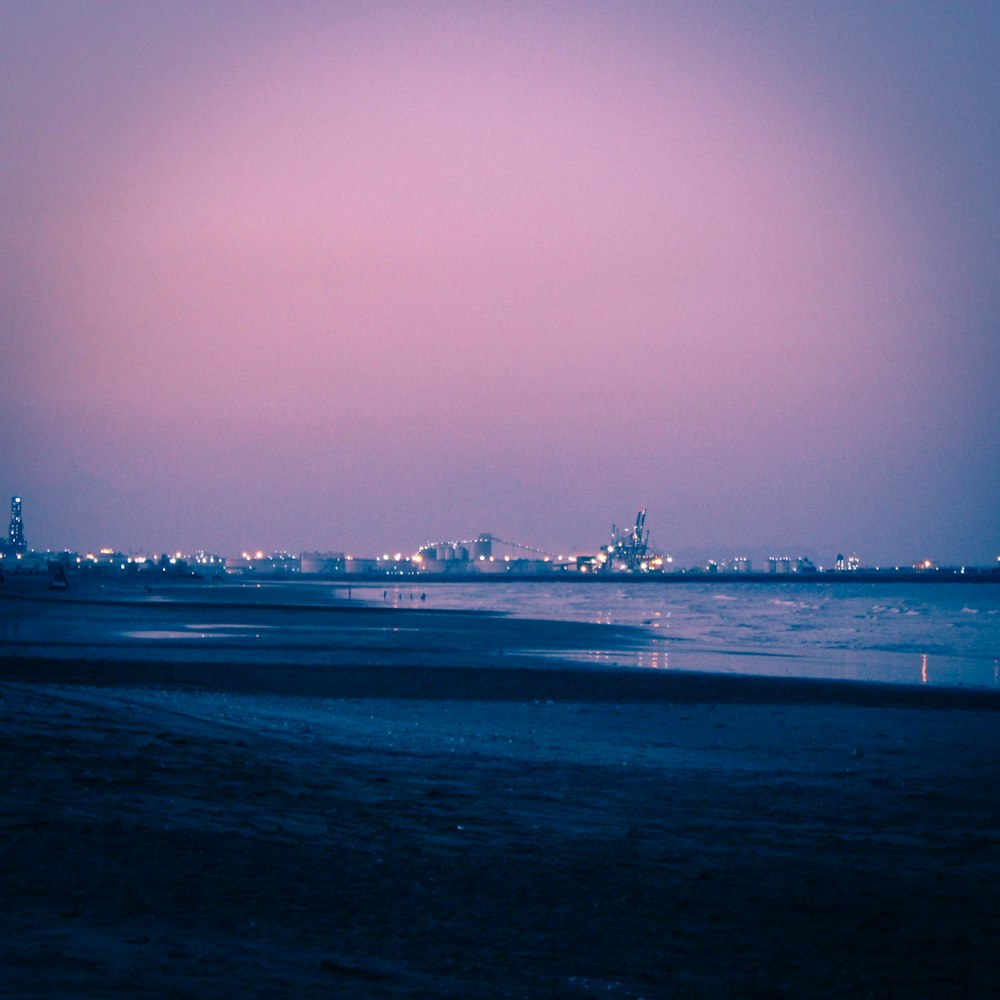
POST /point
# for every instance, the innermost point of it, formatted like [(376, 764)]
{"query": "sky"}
[(359, 276)]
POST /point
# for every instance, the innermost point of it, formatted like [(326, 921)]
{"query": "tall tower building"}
[(16, 533)]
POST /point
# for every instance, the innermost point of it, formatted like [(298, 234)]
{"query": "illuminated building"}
[(16, 534), (322, 563), (482, 547), (629, 550), (264, 563)]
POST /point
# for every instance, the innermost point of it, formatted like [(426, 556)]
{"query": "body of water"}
[(946, 634), (939, 634)]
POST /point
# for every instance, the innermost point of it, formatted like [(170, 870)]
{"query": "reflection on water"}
[(882, 632), (896, 668), (197, 632), (879, 631), (652, 659), (155, 634), (655, 659)]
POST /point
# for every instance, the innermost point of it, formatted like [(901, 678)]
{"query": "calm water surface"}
[(940, 634), (946, 634)]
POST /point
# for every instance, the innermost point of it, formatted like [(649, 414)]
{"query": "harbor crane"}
[(629, 548)]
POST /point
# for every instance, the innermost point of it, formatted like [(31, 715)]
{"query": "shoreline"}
[(519, 679), (312, 625), (958, 575)]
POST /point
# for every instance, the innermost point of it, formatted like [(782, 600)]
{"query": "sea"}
[(942, 634), (945, 634)]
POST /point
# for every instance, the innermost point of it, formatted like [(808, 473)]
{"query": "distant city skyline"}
[(355, 276), (737, 558)]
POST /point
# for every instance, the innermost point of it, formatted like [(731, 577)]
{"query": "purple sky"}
[(359, 276)]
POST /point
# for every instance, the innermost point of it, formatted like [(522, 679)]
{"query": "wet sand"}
[(182, 829)]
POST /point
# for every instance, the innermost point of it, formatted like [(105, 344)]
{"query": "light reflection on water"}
[(946, 634), (936, 634), (197, 632), (894, 668), (910, 633), (156, 634)]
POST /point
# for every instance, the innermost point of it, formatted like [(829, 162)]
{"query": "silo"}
[(482, 547)]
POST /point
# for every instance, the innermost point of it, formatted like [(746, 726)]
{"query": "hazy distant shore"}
[(90, 581), (970, 574)]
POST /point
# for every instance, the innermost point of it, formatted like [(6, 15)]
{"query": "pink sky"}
[(365, 278)]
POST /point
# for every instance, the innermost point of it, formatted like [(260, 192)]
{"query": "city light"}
[(626, 553)]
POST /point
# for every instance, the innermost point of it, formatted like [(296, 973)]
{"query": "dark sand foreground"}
[(174, 830)]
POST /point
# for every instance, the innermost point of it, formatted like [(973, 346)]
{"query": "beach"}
[(498, 826)]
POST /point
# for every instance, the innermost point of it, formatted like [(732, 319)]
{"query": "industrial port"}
[(628, 554)]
